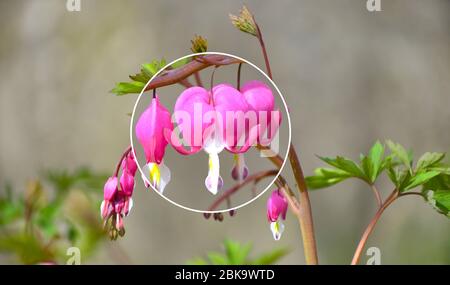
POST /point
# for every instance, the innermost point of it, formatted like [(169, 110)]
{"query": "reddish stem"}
[(179, 74), (198, 80), (226, 195), (116, 172), (264, 51), (371, 226)]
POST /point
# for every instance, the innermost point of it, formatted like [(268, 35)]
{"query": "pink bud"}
[(127, 182), (276, 205), (110, 188), (129, 164)]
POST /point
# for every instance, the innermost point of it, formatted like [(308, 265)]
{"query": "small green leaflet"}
[(399, 152), (346, 165), (420, 178), (437, 193), (239, 254), (372, 164), (123, 88), (429, 159), (140, 79), (325, 177), (375, 160)]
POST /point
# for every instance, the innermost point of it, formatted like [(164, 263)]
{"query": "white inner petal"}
[(102, 206), (130, 205), (158, 175), (277, 229), (213, 181), (214, 142)]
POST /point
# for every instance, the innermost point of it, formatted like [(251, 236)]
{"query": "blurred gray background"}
[(349, 77)]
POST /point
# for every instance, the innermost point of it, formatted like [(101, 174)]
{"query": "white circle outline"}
[(285, 107)]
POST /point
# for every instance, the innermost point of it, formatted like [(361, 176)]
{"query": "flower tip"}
[(277, 229), (213, 185), (240, 169)]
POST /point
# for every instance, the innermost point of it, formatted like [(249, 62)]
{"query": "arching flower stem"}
[(119, 163), (180, 74)]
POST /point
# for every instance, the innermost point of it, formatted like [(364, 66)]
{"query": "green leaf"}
[(420, 178), (392, 174), (400, 177), (270, 257), (429, 159), (148, 70), (236, 253), (325, 177), (217, 258), (140, 77), (439, 200), (346, 165), (123, 88), (45, 219), (72, 233), (399, 152), (375, 160), (438, 182), (27, 247), (181, 62), (10, 211), (441, 169), (82, 177)]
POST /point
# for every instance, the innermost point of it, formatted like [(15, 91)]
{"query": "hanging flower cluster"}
[(223, 118), (117, 201)]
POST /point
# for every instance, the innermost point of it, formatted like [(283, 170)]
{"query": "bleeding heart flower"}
[(276, 211), (129, 163), (109, 191), (261, 100), (127, 182), (208, 121), (221, 119), (152, 128), (261, 117)]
